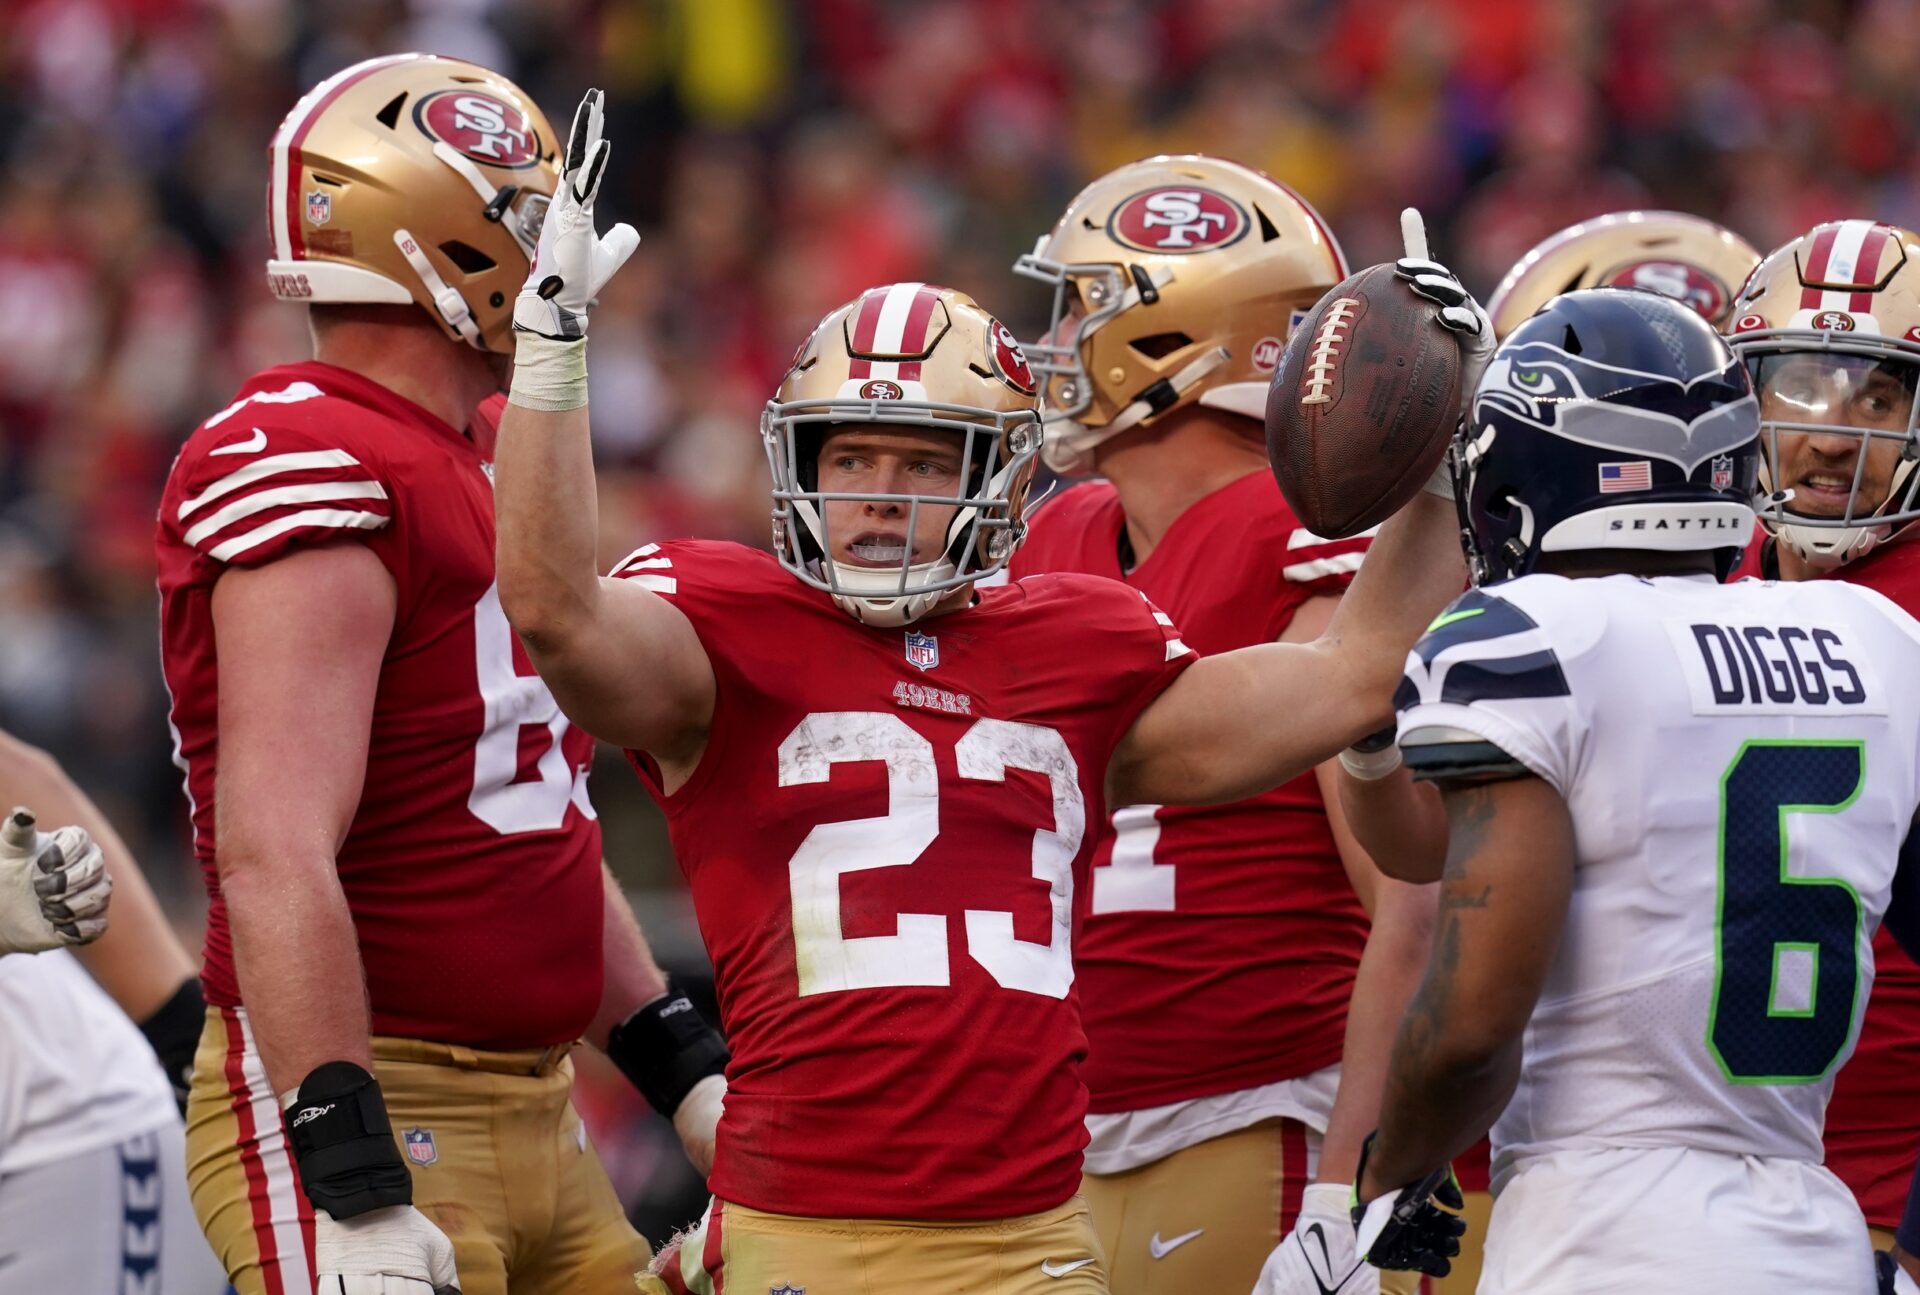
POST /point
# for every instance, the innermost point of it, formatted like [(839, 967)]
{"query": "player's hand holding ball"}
[(1371, 390), (54, 887)]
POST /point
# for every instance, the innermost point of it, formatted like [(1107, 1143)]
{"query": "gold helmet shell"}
[(1669, 252), (1176, 279), (411, 178), (1834, 308), (907, 355)]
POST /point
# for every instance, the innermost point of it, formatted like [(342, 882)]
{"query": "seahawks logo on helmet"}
[(1629, 411)]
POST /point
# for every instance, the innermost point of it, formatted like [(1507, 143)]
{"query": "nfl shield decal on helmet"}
[(923, 650), (784, 1289), (319, 207), (1723, 472), (420, 1148)]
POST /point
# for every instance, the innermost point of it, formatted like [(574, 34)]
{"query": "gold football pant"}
[(734, 1250), (1206, 1217), (499, 1157)]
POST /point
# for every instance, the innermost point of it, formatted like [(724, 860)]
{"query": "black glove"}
[(1404, 1229)]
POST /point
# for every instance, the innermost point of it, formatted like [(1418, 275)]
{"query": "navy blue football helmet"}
[(1611, 419)]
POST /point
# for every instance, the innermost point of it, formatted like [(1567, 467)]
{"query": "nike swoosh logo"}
[(1445, 619), (1319, 1234), (1161, 1249), (252, 445), (1053, 1269)]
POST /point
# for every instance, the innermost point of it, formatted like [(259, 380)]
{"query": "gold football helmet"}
[(411, 178), (1829, 326), (911, 355), (1176, 279), (1669, 252)]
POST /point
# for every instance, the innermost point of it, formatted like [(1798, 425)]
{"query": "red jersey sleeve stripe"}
[(261, 501), (319, 518), (272, 465)]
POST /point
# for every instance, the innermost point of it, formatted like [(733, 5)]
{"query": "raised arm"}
[(623, 663), (1233, 725)]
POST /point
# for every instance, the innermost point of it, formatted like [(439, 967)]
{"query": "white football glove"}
[(54, 887), (395, 1250), (697, 1119), (572, 263), (1459, 312), (1319, 1257)]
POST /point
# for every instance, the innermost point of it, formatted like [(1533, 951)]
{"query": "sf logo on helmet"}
[(481, 126), (1688, 284), (1177, 220)]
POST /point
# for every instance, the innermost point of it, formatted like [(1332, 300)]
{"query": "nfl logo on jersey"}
[(923, 650), (420, 1148)]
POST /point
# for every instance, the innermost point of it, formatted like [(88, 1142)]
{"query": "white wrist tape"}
[(1441, 482), (1370, 766), (548, 374)]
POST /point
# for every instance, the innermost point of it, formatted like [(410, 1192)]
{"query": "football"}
[(1363, 404)]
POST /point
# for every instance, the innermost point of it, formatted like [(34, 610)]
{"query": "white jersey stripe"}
[(272, 465), (276, 1161), (1843, 261), (1338, 564), (259, 502), (1303, 538), (339, 518), (1175, 648), (659, 584)]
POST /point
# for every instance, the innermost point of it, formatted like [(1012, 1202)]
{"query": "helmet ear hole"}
[(469, 259), (1160, 345)]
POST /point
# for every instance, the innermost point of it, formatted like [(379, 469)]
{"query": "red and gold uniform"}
[(474, 813), (1873, 1122), (884, 839), (1220, 943)]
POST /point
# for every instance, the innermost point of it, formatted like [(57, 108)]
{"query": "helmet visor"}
[(1838, 434)]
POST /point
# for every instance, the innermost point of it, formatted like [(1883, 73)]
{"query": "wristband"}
[(1373, 757), (173, 1032), (1441, 482), (343, 1143), (549, 374), (666, 1048)]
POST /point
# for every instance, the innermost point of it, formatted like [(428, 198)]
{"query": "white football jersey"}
[(1742, 764), (75, 1073)]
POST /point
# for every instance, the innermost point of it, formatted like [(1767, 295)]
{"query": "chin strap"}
[(452, 306)]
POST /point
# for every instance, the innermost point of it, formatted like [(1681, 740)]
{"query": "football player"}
[(879, 776), (1238, 1006), (1675, 810), (1828, 327), (1404, 826), (410, 920), (93, 1181)]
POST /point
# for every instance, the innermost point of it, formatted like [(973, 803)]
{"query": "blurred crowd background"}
[(779, 156)]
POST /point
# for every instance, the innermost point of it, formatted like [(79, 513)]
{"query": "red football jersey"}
[(472, 864), (1873, 1122), (884, 838), (1220, 943)]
